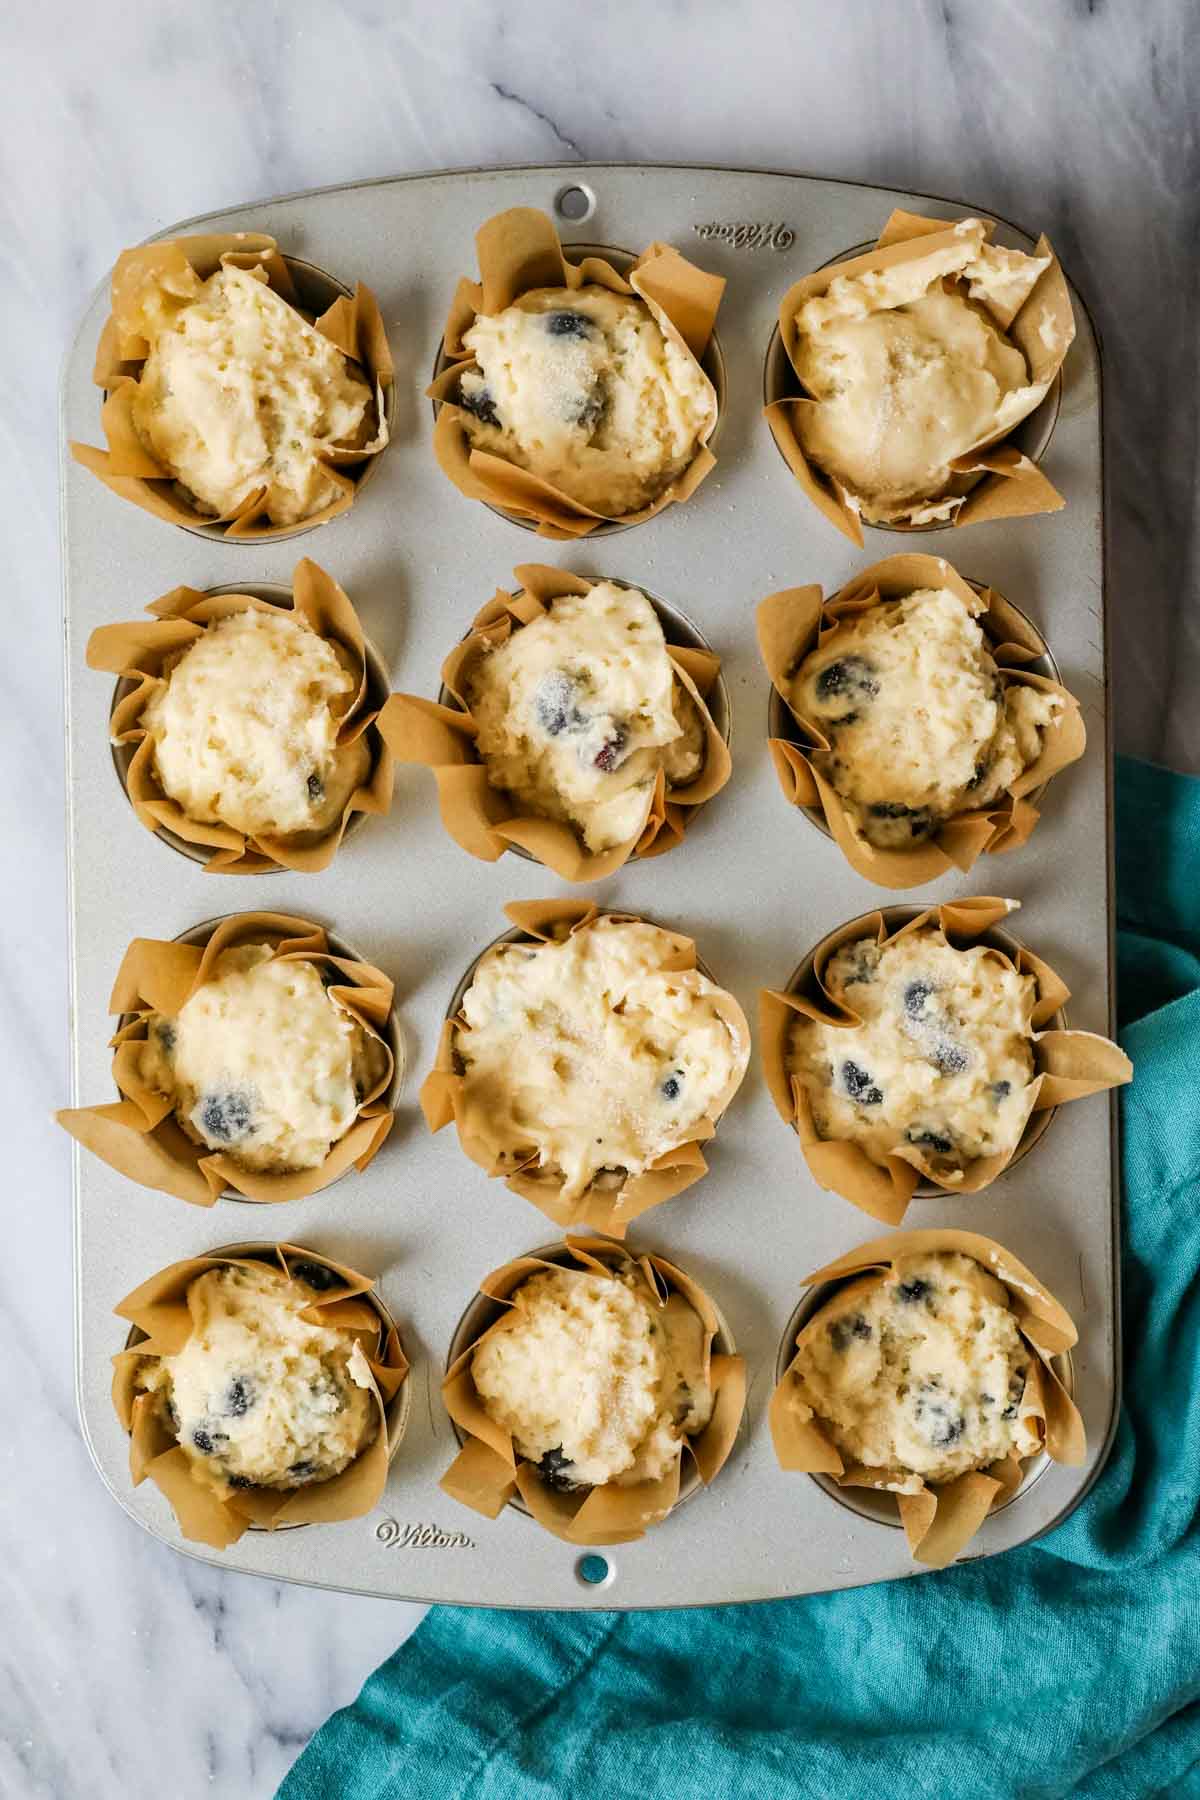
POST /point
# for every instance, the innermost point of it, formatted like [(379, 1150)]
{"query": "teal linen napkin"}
[(1071, 1666)]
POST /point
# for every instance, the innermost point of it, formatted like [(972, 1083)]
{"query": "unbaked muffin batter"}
[(911, 370), (924, 1372), (939, 1066), (589, 1054), (579, 710), (584, 389), (594, 1379), (259, 1396), (245, 728), (239, 392), (920, 722), (262, 1063)]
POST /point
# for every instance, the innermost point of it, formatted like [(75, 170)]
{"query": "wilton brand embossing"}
[(742, 235), (415, 1536)]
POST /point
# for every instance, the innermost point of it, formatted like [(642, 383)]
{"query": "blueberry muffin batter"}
[(937, 1071), (584, 389), (588, 1055), (240, 393), (595, 1380), (920, 723), (911, 369), (923, 1372), (259, 1396), (261, 1063), (244, 729), (579, 710)]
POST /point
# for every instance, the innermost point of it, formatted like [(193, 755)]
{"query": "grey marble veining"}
[(128, 1670)]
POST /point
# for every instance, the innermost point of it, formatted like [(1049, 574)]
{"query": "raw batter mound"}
[(240, 393), (258, 1396), (923, 1372), (245, 729), (594, 1379), (579, 710), (583, 388)]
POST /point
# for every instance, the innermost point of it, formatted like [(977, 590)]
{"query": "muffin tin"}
[(753, 884)]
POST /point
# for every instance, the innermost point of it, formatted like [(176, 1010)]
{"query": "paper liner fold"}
[(608, 1209), (1067, 1064), (159, 1309), (488, 1471), (129, 470), (1000, 481), (940, 1519), (795, 621), (139, 1136), (519, 250), (483, 819), (140, 650)]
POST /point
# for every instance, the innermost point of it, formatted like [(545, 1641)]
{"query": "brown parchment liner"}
[(488, 1471), (145, 653), (940, 1519), (611, 1208), (129, 469), (796, 621), (1067, 1064), (1005, 483), (482, 818), (139, 1135), (159, 1308), (519, 250)]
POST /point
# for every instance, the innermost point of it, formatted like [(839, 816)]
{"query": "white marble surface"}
[(128, 1670)]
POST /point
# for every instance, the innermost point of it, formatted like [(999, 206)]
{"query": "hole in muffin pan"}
[(873, 1503), (316, 291), (575, 203), (482, 1311), (397, 1414), (780, 723), (1032, 436), (390, 1033), (1038, 1124), (378, 689), (595, 1571), (677, 629), (712, 362)]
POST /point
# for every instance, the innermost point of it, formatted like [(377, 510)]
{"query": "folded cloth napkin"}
[(1070, 1666)]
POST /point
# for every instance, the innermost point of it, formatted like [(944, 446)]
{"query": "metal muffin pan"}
[(751, 883)]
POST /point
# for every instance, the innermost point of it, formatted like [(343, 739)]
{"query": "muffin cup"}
[(138, 653), (480, 817), (488, 1473), (139, 1135), (1067, 1064), (795, 621), (940, 1520), (158, 1313), (129, 469), (519, 250), (600, 1208), (1002, 482)]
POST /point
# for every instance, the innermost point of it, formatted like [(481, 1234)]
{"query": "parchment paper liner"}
[(519, 250), (940, 1520), (487, 1471), (793, 622), (608, 1209), (159, 1309), (1007, 484), (139, 1135), (481, 818), (138, 651), (127, 467), (1067, 1064)]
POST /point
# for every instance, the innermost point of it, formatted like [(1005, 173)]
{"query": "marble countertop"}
[(130, 1670)]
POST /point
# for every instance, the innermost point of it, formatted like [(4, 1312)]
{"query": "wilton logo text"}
[(394, 1536), (740, 235)]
